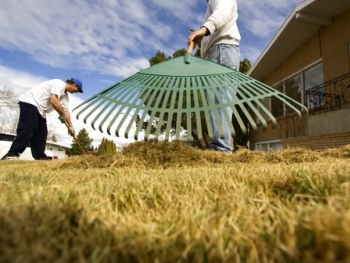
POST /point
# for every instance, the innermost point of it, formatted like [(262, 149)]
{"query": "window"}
[(269, 146), (295, 88), (313, 77), (277, 104)]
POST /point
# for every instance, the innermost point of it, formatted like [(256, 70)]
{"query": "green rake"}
[(177, 91)]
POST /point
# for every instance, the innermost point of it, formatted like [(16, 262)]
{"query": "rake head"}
[(178, 92)]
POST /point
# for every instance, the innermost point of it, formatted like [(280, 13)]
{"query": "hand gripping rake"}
[(76, 140), (178, 92)]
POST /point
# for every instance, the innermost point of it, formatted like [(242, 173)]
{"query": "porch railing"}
[(329, 96)]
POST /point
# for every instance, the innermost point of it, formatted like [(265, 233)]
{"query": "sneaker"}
[(11, 158)]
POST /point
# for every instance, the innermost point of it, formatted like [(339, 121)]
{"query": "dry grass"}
[(159, 202)]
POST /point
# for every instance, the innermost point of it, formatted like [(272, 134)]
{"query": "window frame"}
[(268, 144), (301, 74)]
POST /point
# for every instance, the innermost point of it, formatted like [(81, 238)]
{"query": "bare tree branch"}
[(9, 110)]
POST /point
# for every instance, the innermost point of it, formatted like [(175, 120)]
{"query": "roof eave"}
[(261, 68)]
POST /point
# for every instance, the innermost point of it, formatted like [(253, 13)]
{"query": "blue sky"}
[(104, 41)]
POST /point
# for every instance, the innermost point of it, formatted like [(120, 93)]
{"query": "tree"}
[(85, 142), (179, 53), (158, 58), (52, 133), (53, 138), (9, 110), (8, 97), (106, 147), (244, 66)]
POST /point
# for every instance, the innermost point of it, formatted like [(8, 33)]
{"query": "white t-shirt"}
[(40, 96)]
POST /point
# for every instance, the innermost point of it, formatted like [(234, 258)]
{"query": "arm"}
[(197, 36), (219, 14), (58, 107), (222, 11)]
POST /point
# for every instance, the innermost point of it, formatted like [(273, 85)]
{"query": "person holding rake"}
[(218, 39), (34, 105)]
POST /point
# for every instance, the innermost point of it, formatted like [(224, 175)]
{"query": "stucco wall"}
[(328, 123)]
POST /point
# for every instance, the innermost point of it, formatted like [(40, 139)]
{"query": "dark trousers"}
[(31, 129)]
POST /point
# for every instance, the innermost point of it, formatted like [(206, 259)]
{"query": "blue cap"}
[(78, 83)]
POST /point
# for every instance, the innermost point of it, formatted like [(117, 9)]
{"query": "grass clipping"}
[(167, 202), (152, 154)]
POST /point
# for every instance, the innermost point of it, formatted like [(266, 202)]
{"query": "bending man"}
[(34, 105)]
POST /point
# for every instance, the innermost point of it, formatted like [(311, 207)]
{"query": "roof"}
[(304, 21), (57, 144)]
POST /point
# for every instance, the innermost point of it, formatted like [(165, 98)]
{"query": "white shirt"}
[(40, 96), (220, 19)]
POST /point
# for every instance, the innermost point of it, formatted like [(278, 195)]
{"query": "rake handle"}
[(189, 53), (75, 139), (190, 47)]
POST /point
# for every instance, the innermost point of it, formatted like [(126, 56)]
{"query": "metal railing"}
[(329, 96)]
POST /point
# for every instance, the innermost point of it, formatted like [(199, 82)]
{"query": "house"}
[(58, 151), (308, 59)]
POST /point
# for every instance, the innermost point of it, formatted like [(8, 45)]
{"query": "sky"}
[(103, 42)]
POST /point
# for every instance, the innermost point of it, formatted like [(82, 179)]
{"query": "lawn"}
[(167, 202)]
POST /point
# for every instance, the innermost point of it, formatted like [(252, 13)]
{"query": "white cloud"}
[(183, 10), (21, 79), (250, 52), (263, 18), (94, 36), (117, 37)]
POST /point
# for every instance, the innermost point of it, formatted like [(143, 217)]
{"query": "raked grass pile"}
[(167, 202)]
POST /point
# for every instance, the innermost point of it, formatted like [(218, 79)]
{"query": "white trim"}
[(319, 20)]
